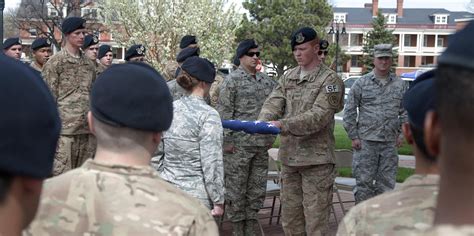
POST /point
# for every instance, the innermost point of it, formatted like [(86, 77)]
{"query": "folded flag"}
[(251, 127)]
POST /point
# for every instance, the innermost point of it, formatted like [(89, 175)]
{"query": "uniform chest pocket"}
[(294, 94), (368, 97)]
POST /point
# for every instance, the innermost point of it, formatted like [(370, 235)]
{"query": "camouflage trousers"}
[(375, 169), (306, 198), (72, 151), (245, 182)]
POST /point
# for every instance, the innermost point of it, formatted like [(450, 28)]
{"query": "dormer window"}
[(440, 19), (340, 17), (390, 18)]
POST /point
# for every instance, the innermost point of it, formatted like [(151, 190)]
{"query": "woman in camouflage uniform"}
[(193, 144)]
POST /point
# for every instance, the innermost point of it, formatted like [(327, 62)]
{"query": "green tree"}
[(160, 24), (272, 22), (378, 35)]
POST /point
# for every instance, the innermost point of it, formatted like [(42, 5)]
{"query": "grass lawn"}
[(402, 173), (343, 142)]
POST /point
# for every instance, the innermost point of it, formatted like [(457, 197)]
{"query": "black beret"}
[(302, 35), (323, 44), (244, 47), (200, 68), (10, 42), (187, 52), (103, 49), (40, 43), (135, 51), (459, 51), (187, 40), (71, 24), (420, 98), (132, 95), (90, 40), (29, 124)]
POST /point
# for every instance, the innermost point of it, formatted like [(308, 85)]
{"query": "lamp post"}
[(338, 27), (2, 6)]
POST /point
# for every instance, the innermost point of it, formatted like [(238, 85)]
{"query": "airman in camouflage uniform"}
[(303, 107), (107, 199), (119, 193), (70, 77), (372, 118), (241, 97), (193, 151), (412, 206), (193, 144), (41, 52)]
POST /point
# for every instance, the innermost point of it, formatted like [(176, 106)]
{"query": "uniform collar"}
[(391, 76), (120, 169), (258, 75), (311, 76)]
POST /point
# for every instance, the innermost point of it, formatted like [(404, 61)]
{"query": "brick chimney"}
[(400, 8), (375, 7)]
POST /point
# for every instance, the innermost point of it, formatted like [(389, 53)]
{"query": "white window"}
[(52, 12), (407, 40), (89, 13), (441, 19), (340, 17), (440, 42), (390, 18), (33, 32)]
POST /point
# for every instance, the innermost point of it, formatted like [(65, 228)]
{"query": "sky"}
[(452, 5)]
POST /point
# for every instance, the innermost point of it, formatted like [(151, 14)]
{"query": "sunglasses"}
[(252, 54), (321, 52)]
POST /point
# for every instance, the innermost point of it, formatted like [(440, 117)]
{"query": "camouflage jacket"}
[(241, 98), (380, 111), (408, 208), (103, 199), (170, 70), (176, 90), (306, 107), (70, 80), (214, 91), (35, 66), (99, 68), (193, 151)]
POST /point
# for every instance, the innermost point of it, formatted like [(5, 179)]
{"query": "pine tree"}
[(378, 35)]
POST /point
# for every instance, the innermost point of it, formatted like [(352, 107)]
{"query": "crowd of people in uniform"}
[(100, 149)]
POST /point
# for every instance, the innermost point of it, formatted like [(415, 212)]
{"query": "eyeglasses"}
[(251, 54), (321, 52)]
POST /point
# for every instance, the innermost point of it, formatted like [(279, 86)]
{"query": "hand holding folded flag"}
[(251, 127)]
